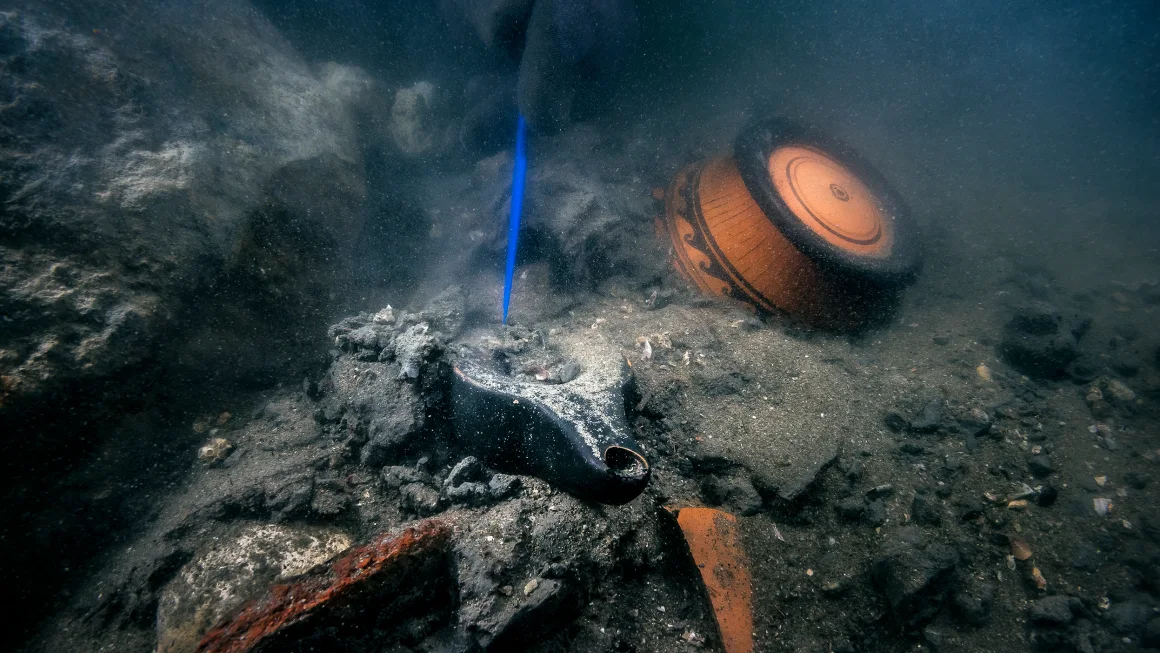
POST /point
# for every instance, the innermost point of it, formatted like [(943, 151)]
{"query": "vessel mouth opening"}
[(625, 462)]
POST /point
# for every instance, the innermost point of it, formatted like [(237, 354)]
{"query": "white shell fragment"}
[(1102, 506)]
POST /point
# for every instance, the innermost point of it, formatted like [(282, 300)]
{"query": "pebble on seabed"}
[(983, 371), (214, 451), (1019, 549)]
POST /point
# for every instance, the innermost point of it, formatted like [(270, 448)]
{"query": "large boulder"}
[(178, 191), (154, 154)]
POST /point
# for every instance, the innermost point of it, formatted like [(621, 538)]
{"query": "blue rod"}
[(519, 174)]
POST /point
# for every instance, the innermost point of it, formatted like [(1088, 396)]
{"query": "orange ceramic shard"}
[(715, 543)]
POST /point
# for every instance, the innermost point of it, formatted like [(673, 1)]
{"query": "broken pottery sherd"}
[(572, 434), (714, 540)]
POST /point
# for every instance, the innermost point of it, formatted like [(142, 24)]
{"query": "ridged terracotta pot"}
[(794, 221)]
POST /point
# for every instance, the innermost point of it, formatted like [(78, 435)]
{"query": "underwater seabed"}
[(260, 399), (911, 477)]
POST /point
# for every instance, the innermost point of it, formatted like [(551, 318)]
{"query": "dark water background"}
[(1041, 119)]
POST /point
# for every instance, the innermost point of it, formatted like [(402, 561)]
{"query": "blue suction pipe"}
[(519, 176)]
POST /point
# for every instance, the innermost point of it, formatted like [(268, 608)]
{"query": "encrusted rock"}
[(1052, 610), (930, 419), (394, 573), (973, 604), (412, 349), (852, 508), (926, 510), (235, 570), (413, 119), (419, 499), (469, 483), (1040, 341), (123, 202), (1040, 465), (214, 451), (734, 490), (914, 579)]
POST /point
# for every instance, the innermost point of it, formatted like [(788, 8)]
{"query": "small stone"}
[(1119, 393), (1040, 465), (396, 476), (467, 470), (875, 514), (926, 510), (974, 606), (977, 422), (851, 509), (385, 316), (1101, 480), (328, 499), (1127, 618), (914, 580), (1099, 408), (468, 483), (983, 372), (1018, 504), (419, 499), (933, 637), (970, 508), (1094, 394), (855, 473), (734, 490), (1040, 341), (502, 486), (1127, 365), (692, 638), (569, 371), (912, 448), (214, 451), (1038, 579), (896, 422), (1025, 491), (931, 418), (1047, 496), (1085, 557), (832, 588), (1052, 610), (531, 586), (1020, 549)]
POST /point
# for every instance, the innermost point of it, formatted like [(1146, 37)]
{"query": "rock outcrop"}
[(162, 164)]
